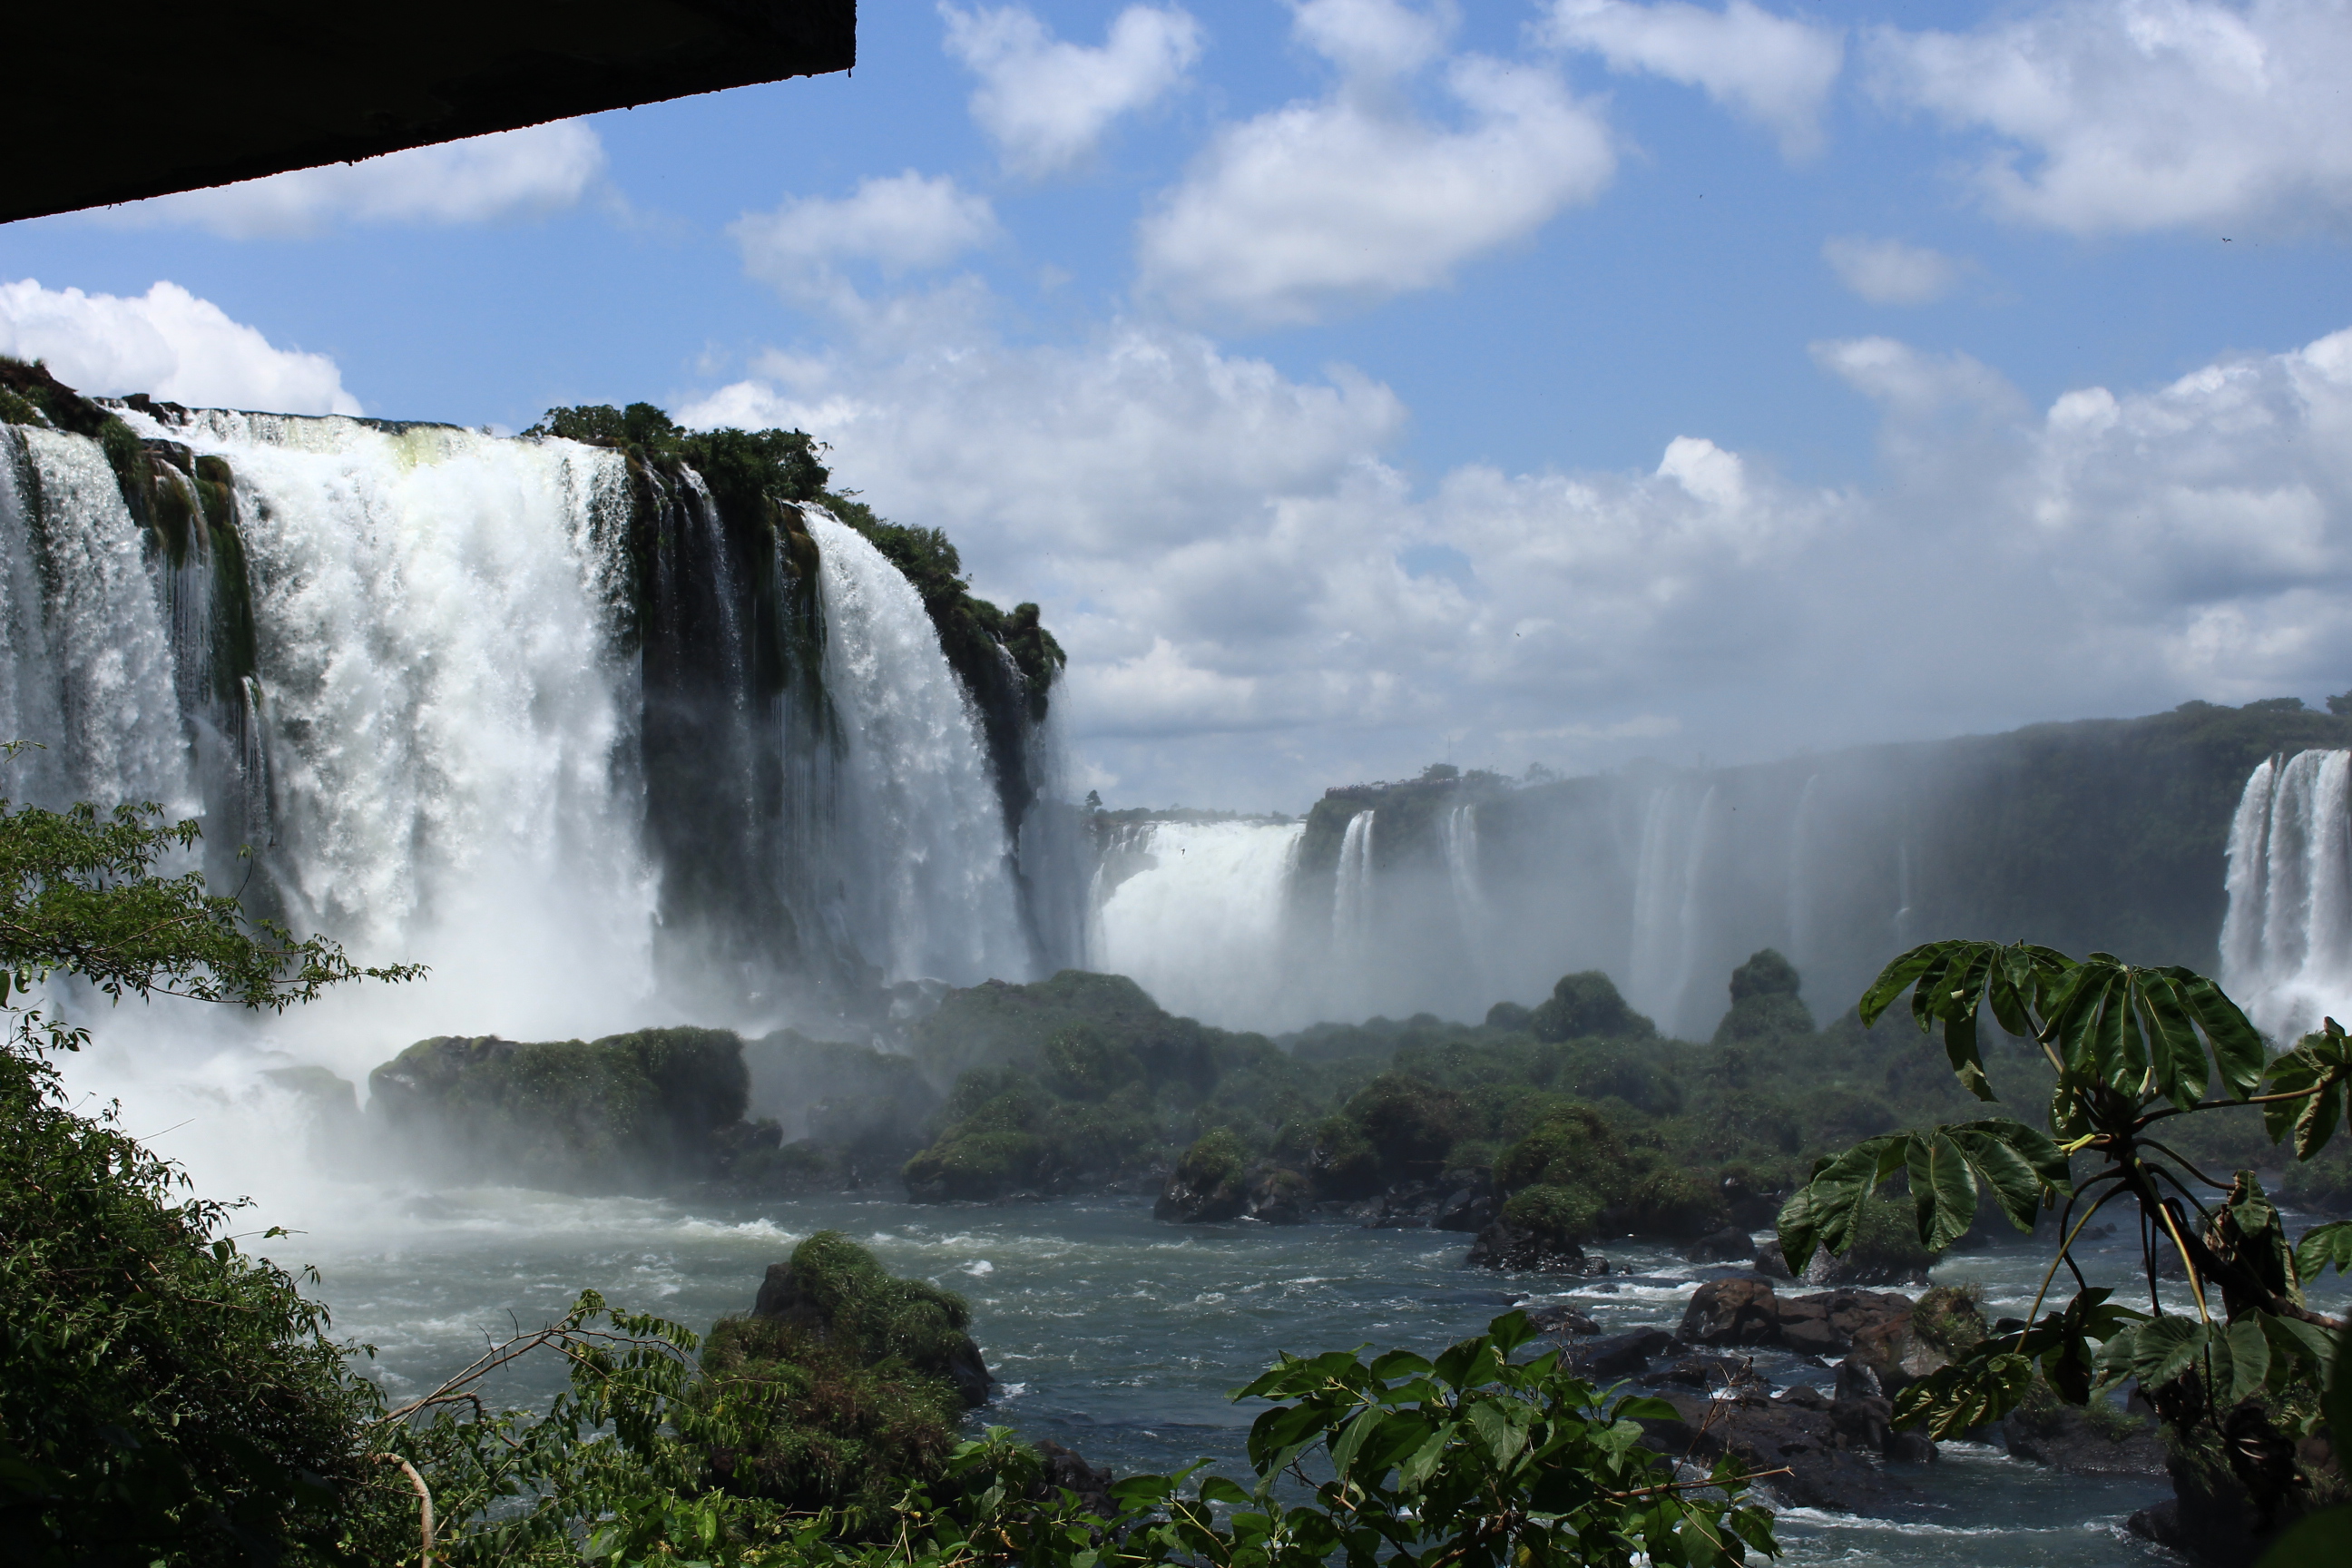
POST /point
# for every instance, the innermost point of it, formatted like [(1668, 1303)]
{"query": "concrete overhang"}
[(135, 98)]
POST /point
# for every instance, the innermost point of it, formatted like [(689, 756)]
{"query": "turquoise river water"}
[(1122, 1337)]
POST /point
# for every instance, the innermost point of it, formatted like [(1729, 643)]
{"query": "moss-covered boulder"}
[(626, 1112), (1207, 1184), (1587, 1004), (848, 1384)]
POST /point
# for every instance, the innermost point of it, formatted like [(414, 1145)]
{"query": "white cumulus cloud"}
[(901, 223), (2123, 116), (1250, 590), (1772, 69), (1047, 103), (166, 343), (1889, 272), (1354, 197), (512, 174)]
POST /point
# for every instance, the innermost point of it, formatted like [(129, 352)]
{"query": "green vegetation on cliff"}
[(615, 1114), (1082, 1080)]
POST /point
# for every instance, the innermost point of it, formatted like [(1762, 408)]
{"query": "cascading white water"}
[(926, 871), (1352, 889), (1458, 840), (447, 721), (2286, 942), (86, 663), (1199, 925), (1669, 901)]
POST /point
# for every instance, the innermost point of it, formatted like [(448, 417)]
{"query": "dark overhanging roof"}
[(130, 99)]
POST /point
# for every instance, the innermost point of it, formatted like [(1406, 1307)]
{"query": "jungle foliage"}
[(2131, 1050)]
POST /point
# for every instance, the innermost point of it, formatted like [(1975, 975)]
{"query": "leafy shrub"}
[(1213, 1162), (1080, 1061), (1586, 1003), (1573, 1148), (1672, 1202), (1555, 1213)]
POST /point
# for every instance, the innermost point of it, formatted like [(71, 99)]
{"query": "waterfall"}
[(89, 672), (1351, 892), (1458, 839), (2286, 942), (532, 712), (448, 722), (1670, 899), (925, 869), (1197, 920)]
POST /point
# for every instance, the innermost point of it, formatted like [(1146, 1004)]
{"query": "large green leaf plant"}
[(2133, 1050)]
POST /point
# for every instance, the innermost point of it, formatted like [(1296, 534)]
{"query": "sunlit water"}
[(1123, 1337)]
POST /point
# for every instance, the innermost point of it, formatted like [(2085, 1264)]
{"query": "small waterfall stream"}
[(925, 869), (2286, 942)]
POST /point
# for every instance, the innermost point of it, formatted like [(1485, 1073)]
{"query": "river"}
[(1123, 1337)]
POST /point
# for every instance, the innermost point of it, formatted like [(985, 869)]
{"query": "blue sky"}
[(1359, 384)]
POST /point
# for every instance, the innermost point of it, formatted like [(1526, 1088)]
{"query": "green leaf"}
[(2322, 1246), (2296, 1345), (2238, 1050), (2176, 1056), (1896, 978), (2322, 1539), (2024, 1167), (1217, 1489), (1943, 1190), (2249, 1359)]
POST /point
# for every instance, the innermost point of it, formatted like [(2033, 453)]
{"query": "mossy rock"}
[(1554, 1215), (976, 1167), (1207, 1184), (617, 1114), (1675, 1204), (848, 1384)]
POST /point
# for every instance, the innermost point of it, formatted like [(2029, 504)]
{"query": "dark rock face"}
[(1610, 1356), (1277, 1196), (1456, 1200), (1067, 1470), (1560, 1320), (1504, 1245), (1729, 1244), (1713, 1372), (2065, 1439)]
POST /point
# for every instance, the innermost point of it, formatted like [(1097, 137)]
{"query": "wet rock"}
[(1857, 1379), (2068, 1438), (1626, 1355), (1825, 1323), (1732, 1312), (1471, 1206), (1560, 1320), (1277, 1196), (1770, 1263), (1712, 1372), (1729, 1244), (1504, 1246)]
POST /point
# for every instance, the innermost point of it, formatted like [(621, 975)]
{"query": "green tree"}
[(160, 1391)]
